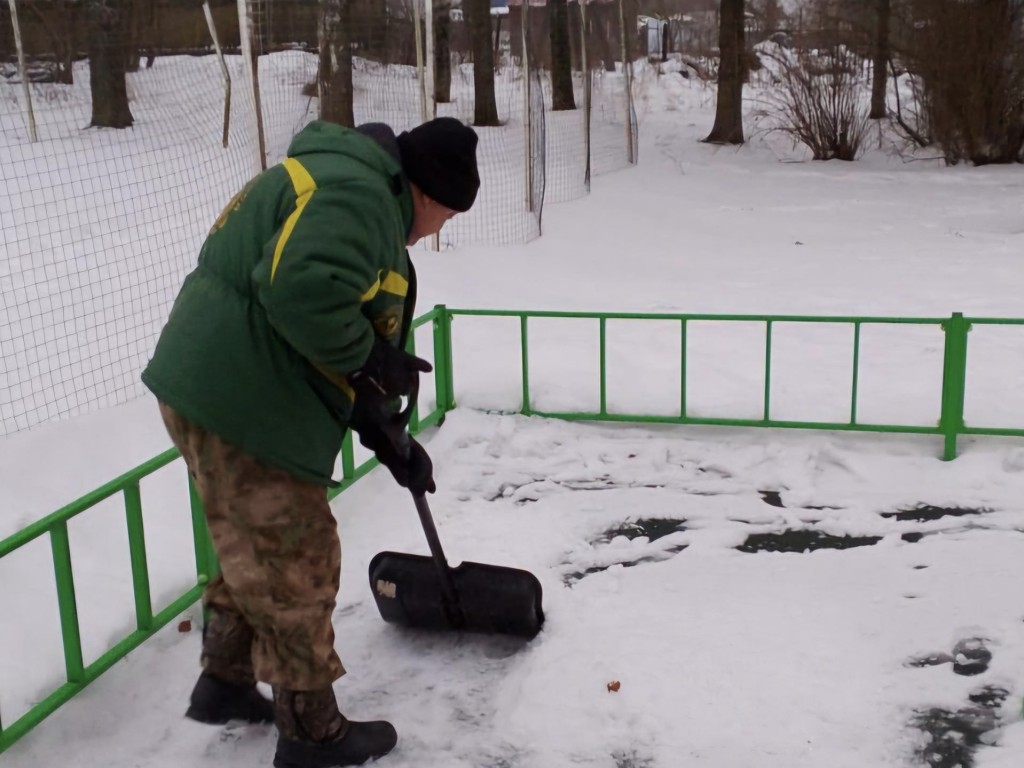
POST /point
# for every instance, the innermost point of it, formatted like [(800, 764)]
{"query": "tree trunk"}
[(629, 13), (442, 51), (478, 21), (497, 43), (728, 128), (562, 96), (575, 36), (132, 51), (64, 45), (880, 63), (610, 43), (107, 40), (56, 23), (334, 78)]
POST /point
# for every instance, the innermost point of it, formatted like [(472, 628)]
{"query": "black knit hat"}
[(439, 157)]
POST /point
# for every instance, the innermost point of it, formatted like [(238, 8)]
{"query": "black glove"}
[(413, 469), (388, 372)]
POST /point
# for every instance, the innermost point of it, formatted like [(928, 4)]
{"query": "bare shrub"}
[(910, 115), (819, 100)]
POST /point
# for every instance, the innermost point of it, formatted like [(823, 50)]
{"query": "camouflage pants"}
[(280, 560)]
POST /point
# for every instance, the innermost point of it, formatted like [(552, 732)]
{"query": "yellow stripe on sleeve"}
[(304, 189)]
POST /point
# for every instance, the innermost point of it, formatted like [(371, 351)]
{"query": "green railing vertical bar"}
[(66, 602), (200, 535), (198, 528), (603, 333), (682, 369), (525, 341), (137, 552), (213, 562), (440, 362), (348, 457), (447, 345), (449, 358), (954, 381), (856, 373), (767, 369), (414, 417)]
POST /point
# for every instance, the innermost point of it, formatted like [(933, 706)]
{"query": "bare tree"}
[(604, 19), (880, 61), (107, 43), (562, 96), (334, 77), (970, 57), (768, 14), (728, 128), (478, 20), (911, 118), (853, 23), (442, 51), (55, 19), (141, 16)]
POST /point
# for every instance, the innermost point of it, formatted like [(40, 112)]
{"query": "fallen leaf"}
[(185, 626), (613, 686)]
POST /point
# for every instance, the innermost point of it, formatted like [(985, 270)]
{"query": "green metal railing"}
[(440, 321), (949, 425), (77, 673)]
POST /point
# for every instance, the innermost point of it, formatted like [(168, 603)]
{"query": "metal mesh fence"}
[(99, 224), (501, 214), (123, 133)]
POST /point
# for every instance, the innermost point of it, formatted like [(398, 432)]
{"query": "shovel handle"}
[(444, 574)]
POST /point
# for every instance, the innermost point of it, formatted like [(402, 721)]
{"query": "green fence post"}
[(66, 603), (348, 457), (207, 566), (414, 417), (525, 344), (137, 553), (444, 379), (954, 378), (449, 358), (603, 333), (856, 373), (767, 370), (199, 533), (682, 369)]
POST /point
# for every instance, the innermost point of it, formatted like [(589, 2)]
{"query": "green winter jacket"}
[(299, 272)]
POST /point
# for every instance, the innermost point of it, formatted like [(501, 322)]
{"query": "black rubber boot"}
[(358, 743), (314, 734), (216, 702)]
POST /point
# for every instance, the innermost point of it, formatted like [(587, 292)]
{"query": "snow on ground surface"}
[(725, 657)]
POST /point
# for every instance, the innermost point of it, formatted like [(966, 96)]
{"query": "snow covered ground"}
[(725, 657)]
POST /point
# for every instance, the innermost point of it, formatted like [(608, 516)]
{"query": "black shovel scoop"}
[(424, 592)]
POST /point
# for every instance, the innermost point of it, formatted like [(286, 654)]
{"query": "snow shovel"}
[(424, 592)]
